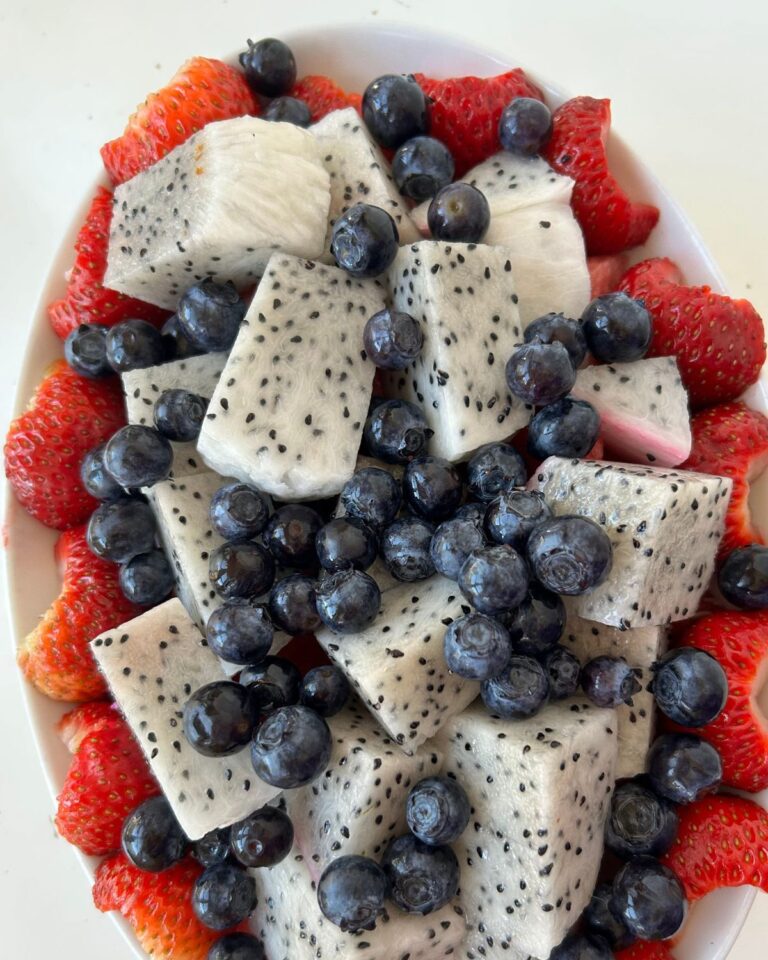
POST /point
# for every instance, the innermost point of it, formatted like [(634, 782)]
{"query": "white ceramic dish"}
[(352, 55)]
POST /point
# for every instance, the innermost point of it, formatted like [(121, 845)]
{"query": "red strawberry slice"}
[(322, 96), (610, 220), (605, 273), (646, 950), (719, 343), (76, 725)]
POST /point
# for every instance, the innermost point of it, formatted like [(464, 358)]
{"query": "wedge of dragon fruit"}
[(152, 664), (540, 791), (202, 211)]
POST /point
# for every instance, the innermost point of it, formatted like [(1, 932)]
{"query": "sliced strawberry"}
[(605, 273), (76, 725), (322, 96), (646, 950), (719, 343), (610, 220), (305, 652), (598, 451)]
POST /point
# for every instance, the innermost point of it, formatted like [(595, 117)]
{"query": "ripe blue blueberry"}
[(395, 109), (348, 601), (95, 478), (239, 631), (133, 345), (494, 469), (477, 647), (274, 682), (743, 578), (210, 313), (494, 579), (212, 847), (152, 838), (459, 213), (582, 947), (396, 431), (569, 555), (525, 126), (421, 877), (689, 686), (346, 542), (288, 110), (179, 414), (557, 328), (292, 604), (437, 810), (682, 767), (138, 456), (176, 345), (372, 495), (147, 578), (432, 487), (536, 625), (640, 822), (609, 681), (241, 569), (563, 671), (269, 67), (291, 747), (392, 339), (121, 529), (520, 690), (649, 899), (219, 718), (452, 543), (514, 515), (85, 350), (263, 839), (565, 428), (238, 511), (540, 373), (351, 893), (290, 535), (600, 920), (421, 167), (223, 896), (406, 549), (237, 946), (325, 690), (364, 240), (471, 511), (618, 329)]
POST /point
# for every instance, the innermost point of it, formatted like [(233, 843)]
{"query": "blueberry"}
[(121, 529), (263, 839), (269, 67), (275, 683), (212, 848), (95, 478), (743, 578), (540, 373), (210, 313), (325, 690), (147, 578), (564, 672), (176, 345), (476, 647), (494, 469), (138, 456), (617, 328), (600, 920), (288, 110), (292, 604), (179, 414), (241, 569), (351, 893), (152, 838), (471, 511), (494, 579), (689, 686), (239, 631), (513, 516), (525, 126), (536, 625), (459, 213), (223, 896), (520, 690), (237, 946), (682, 767), (582, 947), (609, 681), (395, 109), (372, 495), (432, 487), (565, 428), (452, 543), (291, 748), (640, 822), (348, 601), (85, 350), (421, 167), (346, 542), (392, 339), (133, 345), (420, 877), (396, 431), (290, 535), (364, 240), (219, 718), (406, 549), (557, 328), (437, 810), (238, 511), (569, 555), (649, 899)]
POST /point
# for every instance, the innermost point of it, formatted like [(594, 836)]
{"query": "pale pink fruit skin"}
[(634, 437)]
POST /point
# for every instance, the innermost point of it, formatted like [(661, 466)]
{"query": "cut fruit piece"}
[(664, 527), (605, 272), (152, 665), (202, 211), (289, 410), (397, 664), (540, 791), (323, 96), (643, 409)]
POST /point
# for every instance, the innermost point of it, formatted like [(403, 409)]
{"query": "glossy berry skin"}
[(494, 469), (563, 671), (525, 126), (540, 373), (269, 67), (609, 681), (406, 549), (85, 350), (262, 839), (237, 946), (288, 110), (223, 896), (241, 569), (494, 579), (432, 487), (351, 893), (557, 328), (179, 414), (617, 328), (395, 110), (520, 690), (565, 428), (513, 516), (689, 686), (239, 631), (121, 529), (582, 947), (325, 690), (452, 543), (219, 718), (152, 838), (212, 848), (421, 167), (291, 747), (421, 877), (147, 578), (238, 511), (536, 625), (392, 339), (396, 431), (372, 495), (682, 767), (640, 822), (292, 604), (599, 919), (346, 542), (471, 511), (210, 313), (743, 578), (649, 899), (290, 535), (477, 647), (569, 555), (459, 213), (437, 810), (95, 478), (138, 456), (133, 345), (176, 345), (364, 240), (274, 683), (348, 601)]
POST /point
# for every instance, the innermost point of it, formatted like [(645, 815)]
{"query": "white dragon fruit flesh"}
[(643, 409), (152, 664), (664, 527), (218, 206), (143, 387), (464, 298), (540, 791), (289, 410), (397, 664)]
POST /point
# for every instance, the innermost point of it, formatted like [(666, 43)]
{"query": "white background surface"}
[(688, 85)]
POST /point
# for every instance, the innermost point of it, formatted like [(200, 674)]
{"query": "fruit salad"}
[(412, 604)]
